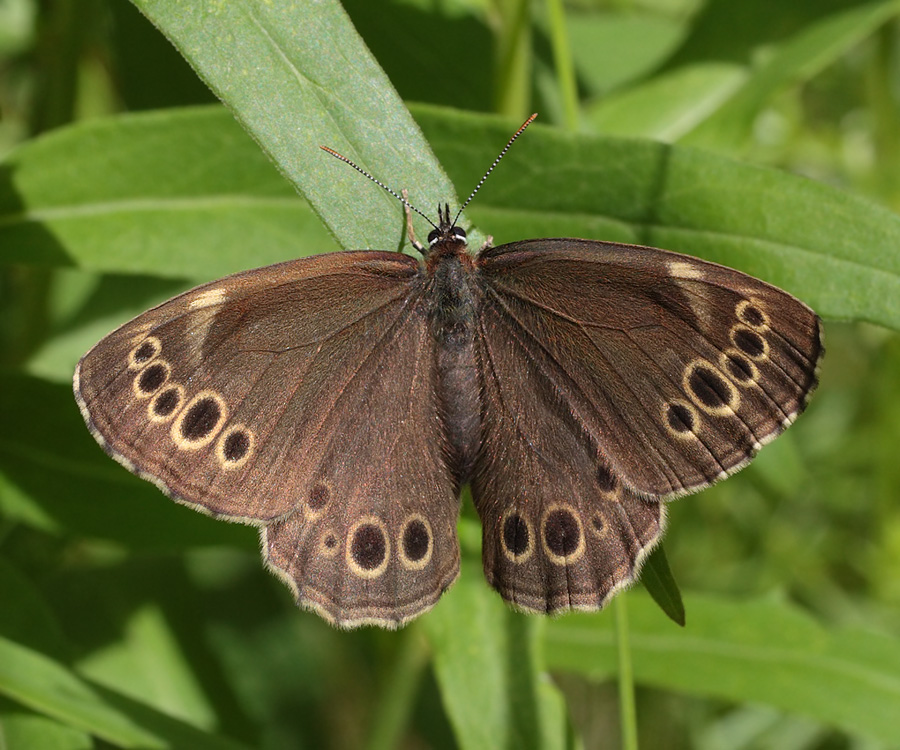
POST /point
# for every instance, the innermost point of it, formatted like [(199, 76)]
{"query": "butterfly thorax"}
[(451, 293)]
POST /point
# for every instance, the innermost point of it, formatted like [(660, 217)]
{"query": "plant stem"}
[(513, 81), (562, 59), (398, 692), (627, 711)]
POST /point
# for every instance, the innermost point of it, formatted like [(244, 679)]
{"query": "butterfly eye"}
[(458, 233), (433, 236)]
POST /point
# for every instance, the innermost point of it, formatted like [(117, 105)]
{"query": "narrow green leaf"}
[(297, 75), (764, 652), (817, 45), (656, 575), (50, 688)]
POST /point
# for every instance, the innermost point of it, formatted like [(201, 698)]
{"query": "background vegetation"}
[(126, 620)]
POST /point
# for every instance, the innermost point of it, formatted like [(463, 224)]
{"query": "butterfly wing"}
[(615, 376), (299, 398)]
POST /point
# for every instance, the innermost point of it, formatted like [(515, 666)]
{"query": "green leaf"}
[(669, 105), (764, 652), (49, 688), (297, 76)]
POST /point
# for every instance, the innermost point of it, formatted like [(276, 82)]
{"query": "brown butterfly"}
[(340, 402)]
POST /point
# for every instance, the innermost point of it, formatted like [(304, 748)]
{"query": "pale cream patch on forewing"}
[(679, 269), (201, 323), (686, 277), (208, 298)]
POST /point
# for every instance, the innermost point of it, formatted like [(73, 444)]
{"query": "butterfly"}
[(340, 403)]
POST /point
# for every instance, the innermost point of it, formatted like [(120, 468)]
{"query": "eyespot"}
[(318, 498), (750, 313), (739, 367), (681, 419), (599, 525), (151, 378), (166, 403), (606, 481), (328, 543), (144, 353), (561, 534), (234, 447), (416, 542), (368, 548), (516, 536), (749, 342), (709, 389), (200, 420)]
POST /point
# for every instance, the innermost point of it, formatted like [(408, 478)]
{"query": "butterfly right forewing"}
[(679, 369)]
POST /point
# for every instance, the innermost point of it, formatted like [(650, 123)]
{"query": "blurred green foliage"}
[(126, 620)]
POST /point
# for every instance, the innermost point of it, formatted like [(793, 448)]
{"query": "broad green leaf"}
[(297, 75), (178, 193), (49, 688), (764, 652), (834, 250)]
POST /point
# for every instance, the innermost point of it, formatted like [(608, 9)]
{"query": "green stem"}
[(513, 83), (398, 692), (627, 711), (562, 59)]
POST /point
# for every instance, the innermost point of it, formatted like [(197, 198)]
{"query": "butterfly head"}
[(446, 230)]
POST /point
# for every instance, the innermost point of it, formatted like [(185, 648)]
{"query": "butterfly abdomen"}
[(453, 309)]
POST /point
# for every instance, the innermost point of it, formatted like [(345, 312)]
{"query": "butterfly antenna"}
[(491, 168), (380, 184)]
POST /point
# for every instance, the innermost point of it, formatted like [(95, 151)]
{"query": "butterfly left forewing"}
[(186, 393)]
